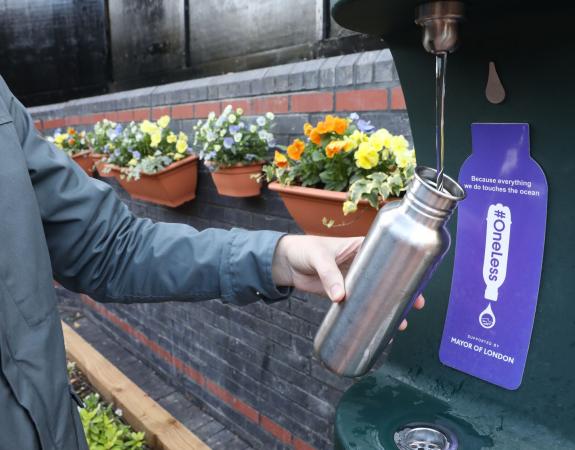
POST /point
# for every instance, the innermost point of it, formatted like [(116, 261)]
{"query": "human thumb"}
[(330, 276)]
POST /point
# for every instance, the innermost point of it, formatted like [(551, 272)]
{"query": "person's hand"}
[(318, 265)]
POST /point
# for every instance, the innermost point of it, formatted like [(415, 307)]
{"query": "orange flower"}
[(334, 148), (307, 128), (296, 149), (71, 131), (340, 125), (322, 128), (330, 122), (280, 160), (315, 136), (71, 141)]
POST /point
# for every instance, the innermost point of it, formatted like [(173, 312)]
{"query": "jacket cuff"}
[(246, 268)]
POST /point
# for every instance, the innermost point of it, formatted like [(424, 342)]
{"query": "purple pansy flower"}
[(137, 154), (234, 129), (228, 142), (365, 126), (354, 116)]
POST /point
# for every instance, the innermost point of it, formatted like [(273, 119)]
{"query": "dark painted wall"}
[(50, 49), (54, 50)]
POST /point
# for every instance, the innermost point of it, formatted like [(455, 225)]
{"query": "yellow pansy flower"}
[(398, 144), (156, 138), (183, 136), (280, 160), (181, 146), (171, 138), (59, 138), (163, 121), (367, 156), (404, 158), (353, 141), (133, 162), (178, 156), (144, 126), (148, 127), (380, 139)]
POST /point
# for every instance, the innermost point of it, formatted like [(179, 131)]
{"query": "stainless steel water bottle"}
[(404, 245)]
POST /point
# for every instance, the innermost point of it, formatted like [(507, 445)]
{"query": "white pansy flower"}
[(212, 115), (223, 133), (239, 111), (270, 116), (238, 137), (263, 135), (261, 121), (253, 128), (232, 118)]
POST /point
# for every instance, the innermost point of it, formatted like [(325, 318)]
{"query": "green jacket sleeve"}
[(98, 247)]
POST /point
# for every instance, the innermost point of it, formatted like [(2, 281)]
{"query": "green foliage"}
[(104, 429)]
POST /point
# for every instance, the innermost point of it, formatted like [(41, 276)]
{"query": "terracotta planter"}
[(84, 161), (173, 186), (238, 181), (100, 165), (309, 207)]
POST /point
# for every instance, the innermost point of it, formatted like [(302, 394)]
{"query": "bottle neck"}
[(428, 205)]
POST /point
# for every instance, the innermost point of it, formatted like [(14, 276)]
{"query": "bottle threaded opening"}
[(451, 189), (423, 196)]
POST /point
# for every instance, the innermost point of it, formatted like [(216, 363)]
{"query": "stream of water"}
[(440, 69)]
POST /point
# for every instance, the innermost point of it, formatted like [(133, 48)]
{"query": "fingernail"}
[(337, 292)]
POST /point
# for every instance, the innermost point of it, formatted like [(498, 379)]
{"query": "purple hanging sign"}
[(498, 257)]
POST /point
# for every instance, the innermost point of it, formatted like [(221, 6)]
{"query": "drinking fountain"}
[(511, 62)]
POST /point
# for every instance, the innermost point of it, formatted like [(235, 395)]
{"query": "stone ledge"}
[(356, 71)]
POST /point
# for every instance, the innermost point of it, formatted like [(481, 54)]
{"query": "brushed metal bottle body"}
[(406, 242)]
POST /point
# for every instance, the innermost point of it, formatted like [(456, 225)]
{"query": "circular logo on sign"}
[(487, 318)]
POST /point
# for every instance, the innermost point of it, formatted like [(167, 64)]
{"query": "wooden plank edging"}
[(163, 431)]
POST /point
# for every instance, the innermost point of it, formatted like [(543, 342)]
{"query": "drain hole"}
[(422, 438)]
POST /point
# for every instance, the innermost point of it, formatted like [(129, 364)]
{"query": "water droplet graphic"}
[(487, 318), (494, 91)]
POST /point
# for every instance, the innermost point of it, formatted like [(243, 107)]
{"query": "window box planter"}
[(310, 207), (84, 161), (238, 181), (172, 186), (100, 165)]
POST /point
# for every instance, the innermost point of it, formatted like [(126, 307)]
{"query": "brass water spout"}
[(440, 21)]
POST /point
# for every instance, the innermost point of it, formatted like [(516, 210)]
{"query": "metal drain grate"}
[(422, 438)]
